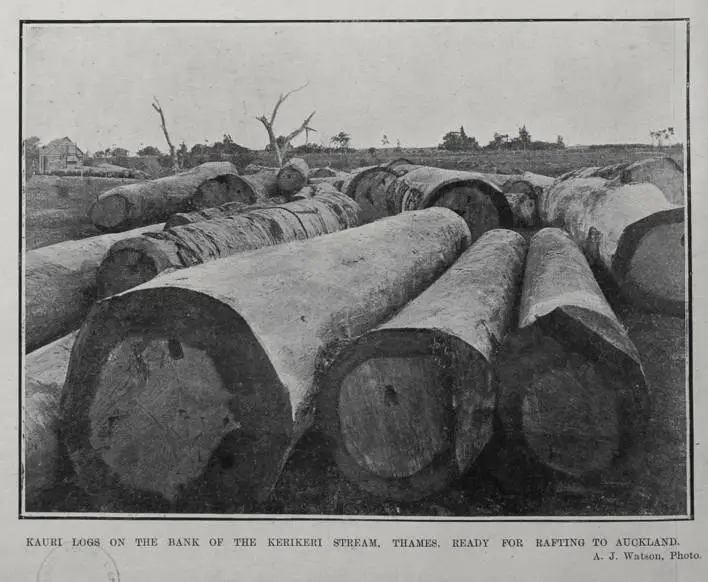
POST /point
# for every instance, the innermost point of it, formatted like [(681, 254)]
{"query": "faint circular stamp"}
[(68, 564)]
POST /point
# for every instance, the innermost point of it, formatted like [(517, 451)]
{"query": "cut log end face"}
[(124, 270), (110, 212), (159, 412), (393, 421), (224, 189), (570, 419), (657, 267), (472, 204), (291, 181)]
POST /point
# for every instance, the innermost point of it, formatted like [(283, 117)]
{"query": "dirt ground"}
[(505, 481)]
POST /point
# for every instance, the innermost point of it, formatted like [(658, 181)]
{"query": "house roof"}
[(59, 144)]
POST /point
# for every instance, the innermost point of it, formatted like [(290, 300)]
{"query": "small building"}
[(59, 154)]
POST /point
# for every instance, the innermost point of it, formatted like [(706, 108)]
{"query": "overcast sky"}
[(599, 82)]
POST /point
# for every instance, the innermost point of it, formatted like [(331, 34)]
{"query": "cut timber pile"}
[(410, 404), (60, 284), (571, 380), (663, 172), (154, 201), (192, 389), (136, 260), (45, 372), (471, 195), (292, 176), (630, 231)]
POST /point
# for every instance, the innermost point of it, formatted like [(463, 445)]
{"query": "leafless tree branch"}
[(173, 154)]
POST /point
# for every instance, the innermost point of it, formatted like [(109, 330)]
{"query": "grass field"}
[(651, 481)]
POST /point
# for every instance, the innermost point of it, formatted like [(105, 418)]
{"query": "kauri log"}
[(367, 187), (292, 176), (410, 404), (663, 172), (154, 201), (192, 389), (136, 260), (233, 188), (223, 211), (45, 372), (60, 284), (571, 381), (471, 195), (630, 231)]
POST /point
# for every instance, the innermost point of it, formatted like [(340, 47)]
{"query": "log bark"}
[(60, 284), (223, 211), (662, 172), (192, 390), (471, 195), (154, 201), (257, 168), (571, 381), (292, 176), (136, 260), (630, 231), (45, 372), (409, 405)]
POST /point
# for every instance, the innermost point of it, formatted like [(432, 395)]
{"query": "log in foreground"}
[(571, 381), (409, 405), (663, 172), (292, 176), (472, 196), (630, 231), (192, 389), (60, 284), (137, 260), (154, 201), (45, 372)]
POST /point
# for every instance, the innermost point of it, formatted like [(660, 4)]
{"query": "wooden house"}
[(59, 154)]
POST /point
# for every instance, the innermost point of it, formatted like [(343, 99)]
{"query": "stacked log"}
[(365, 186), (522, 191), (630, 231), (193, 388), (292, 177), (136, 260), (571, 380), (409, 405), (471, 195), (662, 172), (60, 284), (233, 188), (154, 201), (45, 372)]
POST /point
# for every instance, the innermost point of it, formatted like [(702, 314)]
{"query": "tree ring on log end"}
[(391, 401), (173, 400), (129, 263), (110, 212), (650, 261), (224, 189), (291, 180)]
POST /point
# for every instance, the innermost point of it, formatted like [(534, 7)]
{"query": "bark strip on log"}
[(471, 195), (292, 176), (192, 389), (571, 381), (663, 172), (60, 284), (409, 405), (45, 372), (365, 186), (630, 231), (139, 259), (153, 201)]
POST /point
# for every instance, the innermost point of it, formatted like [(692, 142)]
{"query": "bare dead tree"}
[(281, 150), (173, 153)]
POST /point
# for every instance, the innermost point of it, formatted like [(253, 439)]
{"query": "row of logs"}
[(193, 388)]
